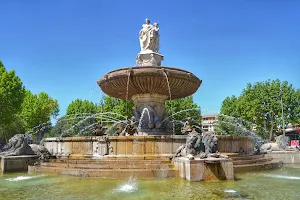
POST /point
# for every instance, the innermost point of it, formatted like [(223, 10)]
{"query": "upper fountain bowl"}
[(150, 80)]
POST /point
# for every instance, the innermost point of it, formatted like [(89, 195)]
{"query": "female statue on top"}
[(149, 37)]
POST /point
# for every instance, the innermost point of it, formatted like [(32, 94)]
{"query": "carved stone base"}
[(150, 111), (149, 59)]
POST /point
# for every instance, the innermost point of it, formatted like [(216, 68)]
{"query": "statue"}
[(130, 128), (210, 142), (149, 42), (193, 145), (17, 146), (99, 129), (202, 144), (149, 37), (281, 144), (187, 127), (40, 151)]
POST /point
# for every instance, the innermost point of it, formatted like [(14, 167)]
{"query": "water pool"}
[(277, 184)]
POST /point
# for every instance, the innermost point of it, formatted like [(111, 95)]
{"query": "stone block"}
[(205, 169), (149, 59), (16, 163)]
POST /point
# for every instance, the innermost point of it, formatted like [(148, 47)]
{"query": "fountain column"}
[(150, 110)]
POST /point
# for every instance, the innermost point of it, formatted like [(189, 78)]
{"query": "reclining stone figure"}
[(17, 146), (281, 144)]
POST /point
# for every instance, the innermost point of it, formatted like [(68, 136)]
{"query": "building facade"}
[(209, 122)]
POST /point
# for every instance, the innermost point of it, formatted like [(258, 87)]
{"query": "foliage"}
[(20, 110), (81, 106), (114, 105), (260, 103), (183, 109), (38, 109), (11, 96), (82, 115), (16, 126)]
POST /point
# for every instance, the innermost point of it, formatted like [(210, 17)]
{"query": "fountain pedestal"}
[(205, 169), (149, 59), (151, 111)]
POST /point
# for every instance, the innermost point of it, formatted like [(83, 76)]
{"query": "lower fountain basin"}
[(143, 146)]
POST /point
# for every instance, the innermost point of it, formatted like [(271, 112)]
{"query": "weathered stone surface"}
[(129, 145), (150, 80), (149, 87), (16, 163), (149, 59), (287, 157), (205, 169), (17, 146)]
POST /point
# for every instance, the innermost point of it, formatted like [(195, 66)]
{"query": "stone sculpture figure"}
[(40, 151), (130, 128), (193, 145), (203, 144), (120, 130), (16, 146), (210, 142), (187, 127), (99, 129), (149, 37), (282, 142)]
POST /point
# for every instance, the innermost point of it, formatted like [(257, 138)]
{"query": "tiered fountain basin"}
[(149, 80), (138, 156), (145, 147), (149, 88)]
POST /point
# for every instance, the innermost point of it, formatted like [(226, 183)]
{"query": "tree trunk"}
[(271, 130), (271, 133)]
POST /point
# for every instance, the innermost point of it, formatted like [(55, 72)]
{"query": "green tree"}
[(79, 106), (183, 109), (11, 98), (260, 103), (38, 109), (114, 105), (80, 114)]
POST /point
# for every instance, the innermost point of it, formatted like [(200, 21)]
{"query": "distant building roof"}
[(292, 131), (209, 115)]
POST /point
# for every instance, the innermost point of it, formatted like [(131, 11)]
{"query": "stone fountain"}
[(151, 151), (149, 84)]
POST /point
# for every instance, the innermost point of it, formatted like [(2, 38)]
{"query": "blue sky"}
[(63, 47)]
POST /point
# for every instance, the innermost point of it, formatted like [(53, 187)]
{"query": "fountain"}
[(150, 84), (144, 146)]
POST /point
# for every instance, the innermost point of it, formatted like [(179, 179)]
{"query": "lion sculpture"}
[(16, 146), (282, 142), (210, 141), (40, 151), (196, 144)]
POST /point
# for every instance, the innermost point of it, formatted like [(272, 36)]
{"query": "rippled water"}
[(279, 184)]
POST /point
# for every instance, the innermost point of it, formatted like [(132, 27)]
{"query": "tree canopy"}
[(38, 109), (11, 95), (183, 108), (20, 110), (260, 103)]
